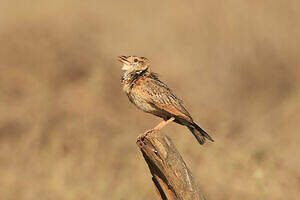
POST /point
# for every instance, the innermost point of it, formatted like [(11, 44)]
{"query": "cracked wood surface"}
[(171, 177)]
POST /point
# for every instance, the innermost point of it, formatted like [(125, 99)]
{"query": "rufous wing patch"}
[(173, 111)]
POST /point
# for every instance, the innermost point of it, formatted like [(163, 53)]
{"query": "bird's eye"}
[(135, 60)]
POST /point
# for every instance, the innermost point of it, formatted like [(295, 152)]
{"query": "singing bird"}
[(151, 95)]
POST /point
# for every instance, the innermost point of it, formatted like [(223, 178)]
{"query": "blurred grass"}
[(68, 132)]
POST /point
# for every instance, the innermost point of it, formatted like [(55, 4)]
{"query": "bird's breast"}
[(126, 88), (138, 98)]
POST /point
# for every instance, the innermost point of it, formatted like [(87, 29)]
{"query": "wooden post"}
[(171, 177)]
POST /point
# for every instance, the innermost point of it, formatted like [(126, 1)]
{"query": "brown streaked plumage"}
[(151, 95)]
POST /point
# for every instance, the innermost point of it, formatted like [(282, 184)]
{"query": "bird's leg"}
[(163, 123), (157, 127)]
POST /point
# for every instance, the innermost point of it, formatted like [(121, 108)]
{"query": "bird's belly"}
[(141, 103)]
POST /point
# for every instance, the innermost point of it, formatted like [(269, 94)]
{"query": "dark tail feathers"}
[(199, 133)]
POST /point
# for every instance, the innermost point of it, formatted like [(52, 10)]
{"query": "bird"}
[(148, 93)]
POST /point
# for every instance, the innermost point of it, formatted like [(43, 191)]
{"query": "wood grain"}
[(171, 177)]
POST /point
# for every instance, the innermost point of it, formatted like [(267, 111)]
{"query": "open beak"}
[(123, 59), (126, 63)]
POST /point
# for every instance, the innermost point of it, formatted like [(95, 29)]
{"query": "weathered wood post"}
[(171, 177)]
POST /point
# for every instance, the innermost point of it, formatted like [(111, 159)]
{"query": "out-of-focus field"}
[(67, 131)]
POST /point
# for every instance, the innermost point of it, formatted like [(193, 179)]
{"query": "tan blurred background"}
[(67, 131)]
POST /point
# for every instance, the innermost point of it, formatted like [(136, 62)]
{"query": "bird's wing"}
[(162, 97)]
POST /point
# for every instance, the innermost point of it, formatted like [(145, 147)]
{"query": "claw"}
[(143, 135)]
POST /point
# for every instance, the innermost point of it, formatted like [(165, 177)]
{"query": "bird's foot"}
[(141, 136), (149, 131)]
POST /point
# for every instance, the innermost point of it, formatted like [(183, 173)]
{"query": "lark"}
[(148, 93)]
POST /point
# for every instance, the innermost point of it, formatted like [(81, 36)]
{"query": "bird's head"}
[(134, 63)]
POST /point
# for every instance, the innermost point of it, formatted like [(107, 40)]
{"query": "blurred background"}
[(68, 132)]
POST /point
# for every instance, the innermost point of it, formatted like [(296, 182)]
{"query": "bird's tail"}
[(199, 133)]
